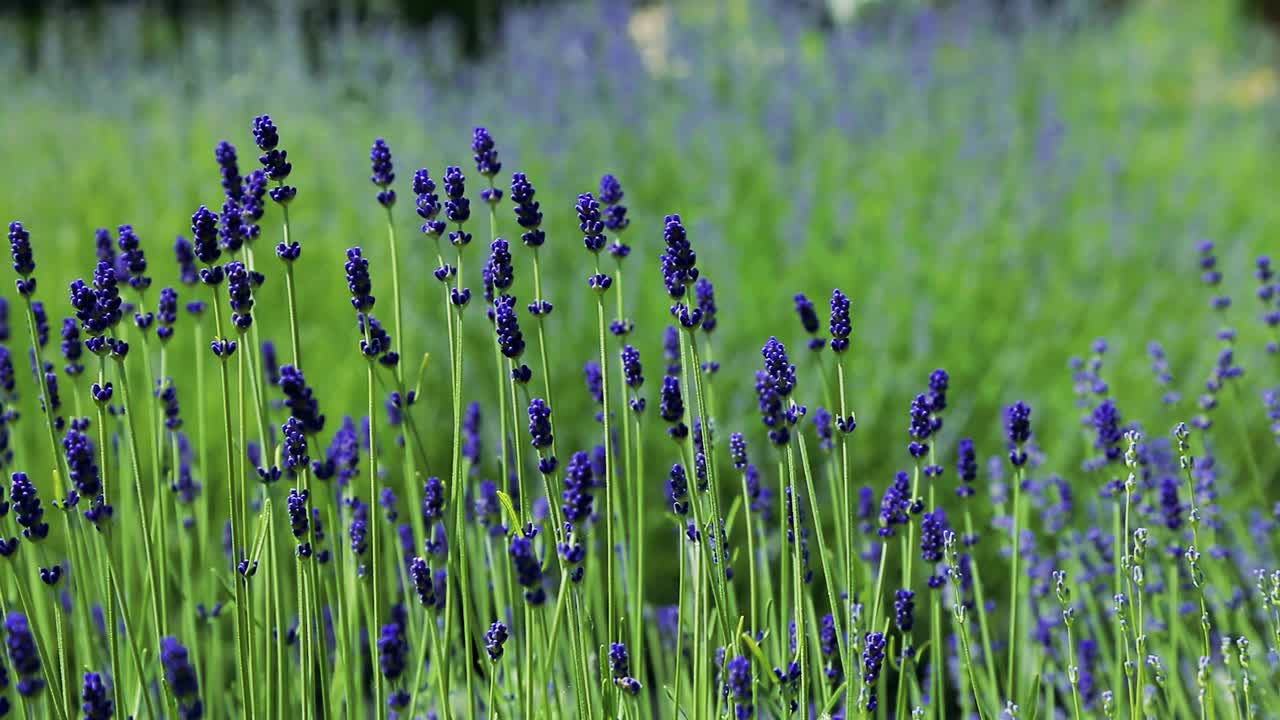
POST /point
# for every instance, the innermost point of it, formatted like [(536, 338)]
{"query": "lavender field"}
[(673, 360)]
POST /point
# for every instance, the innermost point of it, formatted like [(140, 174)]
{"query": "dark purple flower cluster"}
[(186, 259), (358, 282), (1018, 431), (896, 504), (494, 639), (740, 682), (577, 495), (97, 307), (809, 321), (275, 162), (507, 325), (298, 520), (393, 650), (540, 424), (528, 214), (873, 647), (23, 261), (95, 697), (615, 213), (671, 407), (23, 654), (1210, 274), (841, 325), (166, 314), (204, 243), (427, 203), (132, 259), (620, 669), (920, 428), (485, 154), (933, 526), (966, 467), (738, 451), (704, 295), (180, 676), (677, 489), (383, 172), (82, 466), (1108, 431), (528, 569), (26, 507), (300, 400), (679, 261), (457, 208), (420, 577), (590, 222), (240, 292)]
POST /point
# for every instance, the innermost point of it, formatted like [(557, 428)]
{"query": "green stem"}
[(1010, 689)]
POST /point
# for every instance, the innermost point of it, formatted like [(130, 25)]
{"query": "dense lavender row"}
[(489, 565)]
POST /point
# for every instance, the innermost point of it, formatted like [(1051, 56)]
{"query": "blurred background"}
[(994, 183)]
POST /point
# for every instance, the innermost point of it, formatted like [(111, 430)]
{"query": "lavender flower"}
[(528, 214), (427, 203), (181, 678), (809, 321), (23, 655), (166, 314), (358, 282), (895, 504), (822, 425), (26, 507), (671, 350), (507, 326), (275, 162), (97, 307), (494, 638), (528, 569), (96, 698), (740, 682), (704, 294), (24, 263), (779, 369), (132, 258), (204, 243), (540, 423), (678, 490), (873, 647), (840, 325), (1018, 431), (615, 213), (300, 400), (82, 466), (966, 467), (420, 576), (298, 520), (457, 208), (590, 223), (671, 407), (72, 349), (241, 295), (186, 257), (486, 156), (1210, 274), (383, 173), (471, 436), (679, 262), (577, 495), (393, 649)]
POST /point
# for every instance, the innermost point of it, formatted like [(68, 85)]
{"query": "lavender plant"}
[(1133, 580)]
